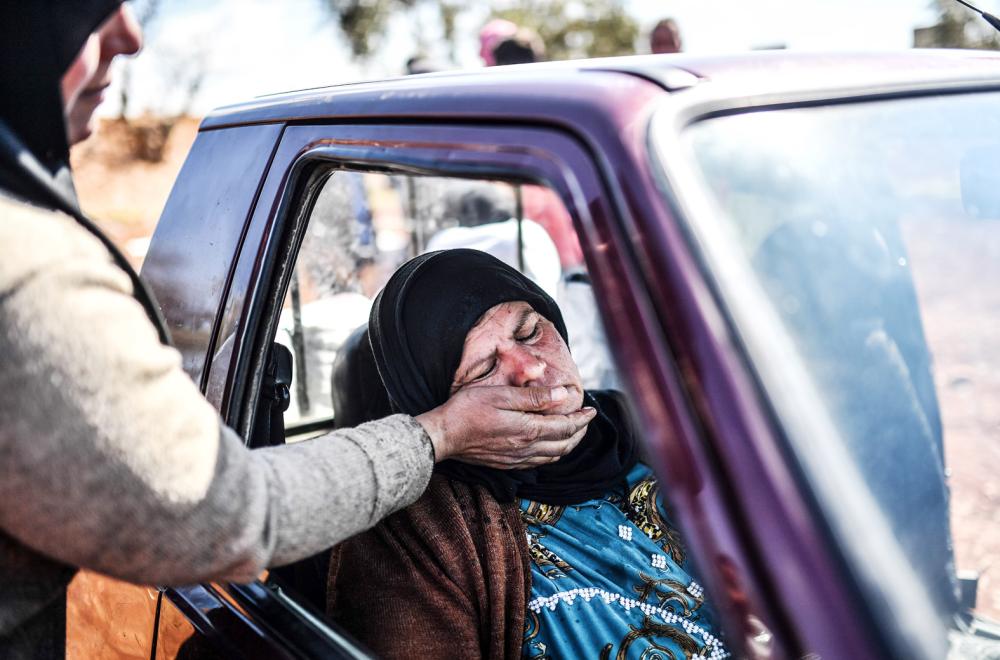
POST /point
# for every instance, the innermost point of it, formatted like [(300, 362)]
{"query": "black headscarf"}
[(39, 39), (418, 326)]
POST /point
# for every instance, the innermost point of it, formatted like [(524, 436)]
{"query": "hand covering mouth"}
[(418, 327)]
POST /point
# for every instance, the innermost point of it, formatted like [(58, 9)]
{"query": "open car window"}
[(860, 268), (363, 225)]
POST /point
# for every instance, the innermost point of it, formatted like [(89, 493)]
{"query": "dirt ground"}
[(123, 194), (957, 269)]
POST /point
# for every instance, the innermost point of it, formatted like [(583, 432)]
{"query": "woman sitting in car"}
[(576, 558)]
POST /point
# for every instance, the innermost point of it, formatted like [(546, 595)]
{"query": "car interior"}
[(320, 374)]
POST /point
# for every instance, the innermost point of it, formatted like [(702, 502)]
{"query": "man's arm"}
[(111, 459)]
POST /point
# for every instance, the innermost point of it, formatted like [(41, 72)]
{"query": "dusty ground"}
[(126, 195), (957, 270)]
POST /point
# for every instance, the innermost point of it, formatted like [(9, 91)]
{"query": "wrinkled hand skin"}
[(505, 427)]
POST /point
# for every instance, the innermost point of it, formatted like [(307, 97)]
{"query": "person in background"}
[(524, 46), (545, 207), (110, 458), (421, 63), (492, 34), (520, 46), (486, 222), (665, 37)]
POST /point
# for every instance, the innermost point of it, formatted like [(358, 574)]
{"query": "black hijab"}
[(39, 39), (417, 328)]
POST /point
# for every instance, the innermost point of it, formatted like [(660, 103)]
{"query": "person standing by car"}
[(522, 47), (110, 459), (665, 37)]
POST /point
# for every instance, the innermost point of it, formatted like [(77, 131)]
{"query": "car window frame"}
[(604, 218), (305, 178)]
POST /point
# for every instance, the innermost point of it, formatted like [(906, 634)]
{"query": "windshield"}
[(857, 246)]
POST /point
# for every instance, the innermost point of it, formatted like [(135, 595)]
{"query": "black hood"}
[(39, 39), (417, 328), (419, 320)]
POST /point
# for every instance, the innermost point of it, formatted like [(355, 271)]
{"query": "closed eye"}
[(537, 330), (482, 369), (490, 368)]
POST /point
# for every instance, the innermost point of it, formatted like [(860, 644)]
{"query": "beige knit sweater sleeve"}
[(110, 459)]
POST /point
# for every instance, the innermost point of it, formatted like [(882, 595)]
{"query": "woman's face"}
[(512, 344)]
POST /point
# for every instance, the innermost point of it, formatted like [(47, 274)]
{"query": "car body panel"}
[(541, 91), (107, 619), (190, 256)]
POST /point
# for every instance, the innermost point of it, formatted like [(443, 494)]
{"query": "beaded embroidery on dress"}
[(610, 579)]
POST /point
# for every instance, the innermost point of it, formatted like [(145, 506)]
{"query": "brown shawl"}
[(447, 577)]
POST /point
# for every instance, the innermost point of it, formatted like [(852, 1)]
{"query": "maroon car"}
[(789, 262)]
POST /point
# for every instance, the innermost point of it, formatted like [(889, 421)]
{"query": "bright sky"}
[(252, 47)]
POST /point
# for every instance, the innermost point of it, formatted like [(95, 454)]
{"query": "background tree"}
[(182, 78), (145, 12), (363, 22), (957, 27), (569, 28), (573, 29)]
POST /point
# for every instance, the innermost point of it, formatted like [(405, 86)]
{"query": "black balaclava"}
[(418, 326), (38, 41)]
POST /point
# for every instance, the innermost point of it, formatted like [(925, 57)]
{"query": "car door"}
[(673, 354), (109, 619), (590, 188), (188, 267)]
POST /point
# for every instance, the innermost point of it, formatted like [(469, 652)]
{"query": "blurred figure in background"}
[(544, 207), (522, 47), (421, 63), (502, 43), (492, 34), (486, 222), (665, 37)]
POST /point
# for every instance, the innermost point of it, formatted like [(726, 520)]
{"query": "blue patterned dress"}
[(610, 579)]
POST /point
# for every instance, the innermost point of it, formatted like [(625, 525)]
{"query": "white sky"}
[(252, 47)]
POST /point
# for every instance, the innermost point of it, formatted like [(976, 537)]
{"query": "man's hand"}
[(505, 427)]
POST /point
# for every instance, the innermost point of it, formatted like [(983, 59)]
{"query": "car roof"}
[(526, 90)]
